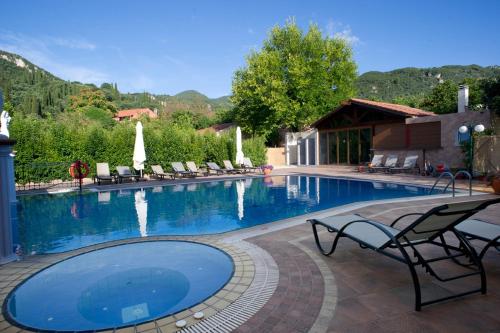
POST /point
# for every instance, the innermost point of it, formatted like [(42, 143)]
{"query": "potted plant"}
[(266, 169), (495, 183)]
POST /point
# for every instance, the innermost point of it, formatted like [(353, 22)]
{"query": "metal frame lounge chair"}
[(377, 160), (228, 167), (179, 170), (248, 166), (399, 244), (212, 166), (159, 173), (409, 164), (474, 229), (125, 173), (390, 162), (102, 173), (195, 170)]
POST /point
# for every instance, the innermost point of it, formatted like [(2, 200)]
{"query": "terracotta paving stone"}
[(374, 293)]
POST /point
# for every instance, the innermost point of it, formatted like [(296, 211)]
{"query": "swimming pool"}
[(62, 222), (119, 286)]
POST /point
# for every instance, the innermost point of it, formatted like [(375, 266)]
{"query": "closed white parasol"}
[(141, 206), (139, 152), (239, 147)]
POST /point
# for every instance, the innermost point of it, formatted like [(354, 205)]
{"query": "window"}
[(462, 137)]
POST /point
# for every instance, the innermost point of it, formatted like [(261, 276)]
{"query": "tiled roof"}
[(135, 112), (403, 109)]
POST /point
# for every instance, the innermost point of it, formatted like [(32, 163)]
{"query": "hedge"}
[(46, 142)]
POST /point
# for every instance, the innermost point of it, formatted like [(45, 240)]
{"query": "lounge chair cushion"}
[(391, 161), (124, 171), (479, 229), (377, 160), (102, 170), (410, 162), (361, 231)]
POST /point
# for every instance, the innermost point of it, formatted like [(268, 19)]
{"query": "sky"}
[(165, 47)]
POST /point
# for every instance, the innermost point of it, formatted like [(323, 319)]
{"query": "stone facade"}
[(450, 152)]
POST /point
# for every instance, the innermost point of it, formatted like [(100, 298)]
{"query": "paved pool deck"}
[(355, 290)]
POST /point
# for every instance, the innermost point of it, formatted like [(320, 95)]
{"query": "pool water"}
[(120, 286), (62, 222)]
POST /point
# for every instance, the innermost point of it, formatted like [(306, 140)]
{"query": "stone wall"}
[(450, 152), (276, 156)]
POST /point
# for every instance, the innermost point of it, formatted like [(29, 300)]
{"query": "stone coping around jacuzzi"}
[(14, 273)]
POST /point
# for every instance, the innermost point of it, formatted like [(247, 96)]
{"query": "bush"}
[(45, 141)]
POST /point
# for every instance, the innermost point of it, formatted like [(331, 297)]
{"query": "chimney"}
[(463, 98)]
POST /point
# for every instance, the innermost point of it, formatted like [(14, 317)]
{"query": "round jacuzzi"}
[(119, 286)]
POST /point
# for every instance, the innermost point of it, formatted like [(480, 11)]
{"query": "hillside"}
[(33, 90), (416, 81)]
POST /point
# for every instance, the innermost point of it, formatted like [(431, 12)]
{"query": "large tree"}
[(293, 80)]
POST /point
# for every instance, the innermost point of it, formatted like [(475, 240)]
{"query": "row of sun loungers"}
[(178, 171), (391, 164)]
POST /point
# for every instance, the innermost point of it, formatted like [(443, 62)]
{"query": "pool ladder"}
[(452, 181)]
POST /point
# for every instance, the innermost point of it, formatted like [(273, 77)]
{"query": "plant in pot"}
[(495, 183), (266, 169)]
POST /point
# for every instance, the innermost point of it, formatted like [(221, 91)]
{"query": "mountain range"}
[(32, 89), (412, 81)]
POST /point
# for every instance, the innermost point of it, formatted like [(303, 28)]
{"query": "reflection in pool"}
[(56, 223)]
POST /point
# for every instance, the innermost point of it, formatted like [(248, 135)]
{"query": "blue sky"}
[(166, 47)]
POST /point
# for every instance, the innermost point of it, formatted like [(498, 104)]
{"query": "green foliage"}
[(34, 91), (255, 149), (296, 78), (42, 141), (187, 119), (387, 86), (443, 98)]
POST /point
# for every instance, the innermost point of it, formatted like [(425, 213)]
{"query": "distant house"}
[(134, 114), (218, 129)]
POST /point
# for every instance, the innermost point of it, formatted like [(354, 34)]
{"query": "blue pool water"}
[(120, 286), (62, 222)]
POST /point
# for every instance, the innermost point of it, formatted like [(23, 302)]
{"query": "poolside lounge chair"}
[(212, 166), (401, 244), (125, 173), (248, 166), (390, 162), (410, 164), (195, 170), (179, 170), (487, 232), (102, 173), (159, 173), (230, 169), (377, 160)]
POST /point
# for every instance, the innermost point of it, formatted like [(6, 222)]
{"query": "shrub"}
[(43, 141)]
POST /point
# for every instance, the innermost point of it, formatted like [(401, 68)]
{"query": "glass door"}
[(343, 147), (332, 148), (365, 144), (354, 146)]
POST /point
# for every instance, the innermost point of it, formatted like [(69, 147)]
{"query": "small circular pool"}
[(119, 286)]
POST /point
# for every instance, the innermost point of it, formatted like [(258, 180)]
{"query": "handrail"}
[(468, 175), (452, 181), (446, 173)]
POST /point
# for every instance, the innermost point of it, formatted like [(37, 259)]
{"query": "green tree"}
[(296, 78), (443, 98)]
